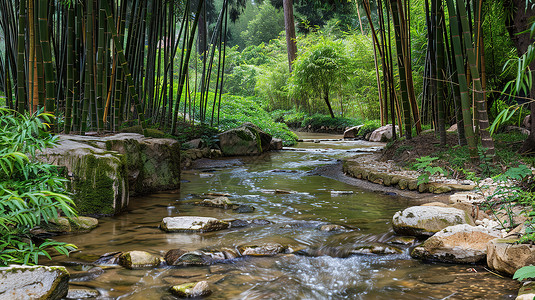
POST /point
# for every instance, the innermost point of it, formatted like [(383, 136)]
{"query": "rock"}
[(178, 257), (427, 220), (82, 293), (337, 193), (88, 275), (104, 171), (71, 225), (332, 227), (267, 249), (453, 128), (377, 248), (382, 134), (60, 225), (200, 224), (194, 144), (247, 139), (505, 256), (111, 258), (275, 144), (138, 260), (403, 240), (33, 282), (191, 290), (220, 202), (244, 209), (352, 132), (527, 291), (460, 244)]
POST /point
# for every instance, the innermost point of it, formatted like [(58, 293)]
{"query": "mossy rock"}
[(138, 260), (192, 289), (33, 282), (151, 132)]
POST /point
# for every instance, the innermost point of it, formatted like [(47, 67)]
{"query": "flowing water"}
[(327, 272)]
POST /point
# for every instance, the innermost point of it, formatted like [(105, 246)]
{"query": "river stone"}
[(220, 202), (460, 244), (332, 227), (71, 225), (427, 220), (82, 293), (403, 240), (139, 259), (200, 224), (191, 290), (33, 282), (110, 258), (275, 144), (244, 209), (505, 256), (352, 132), (247, 139), (88, 275), (267, 249), (438, 279), (377, 248)]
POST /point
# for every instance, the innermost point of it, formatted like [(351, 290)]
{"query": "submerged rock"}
[(275, 144), (33, 282), (110, 258), (199, 224), (267, 249), (427, 220), (179, 257), (377, 248), (191, 290), (456, 244), (244, 209), (82, 293), (138, 260), (403, 240), (332, 227), (505, 256), (220, 202)]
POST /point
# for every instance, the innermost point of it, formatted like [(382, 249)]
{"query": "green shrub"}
[(319, 120), (31, 193), (369, 126)]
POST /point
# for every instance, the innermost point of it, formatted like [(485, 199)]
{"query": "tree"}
[(266, 25), (321, 69)]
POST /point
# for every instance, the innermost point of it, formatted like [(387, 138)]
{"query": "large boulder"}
[(459, 244), (152, 164), (98, 177), (247, 139), (33, 282), (382, 134), (352, 132), (428, 220), (505, 256), (104, 171), (196, 224)]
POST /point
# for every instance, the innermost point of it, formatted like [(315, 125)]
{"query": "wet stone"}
[(139, 259), (82, 293), (332, 227), (190, 290), (88, 275), (244, 208), (111, 258), (403, 240), (267, 249)]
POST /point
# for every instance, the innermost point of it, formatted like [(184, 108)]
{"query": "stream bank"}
[(292, 203)]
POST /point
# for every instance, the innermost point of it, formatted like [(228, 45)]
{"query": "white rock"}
[(202, 224)]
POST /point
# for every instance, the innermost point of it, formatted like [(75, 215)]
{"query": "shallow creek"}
[(295, 219)]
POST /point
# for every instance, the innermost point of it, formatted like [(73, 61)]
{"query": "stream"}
[(328, 271)]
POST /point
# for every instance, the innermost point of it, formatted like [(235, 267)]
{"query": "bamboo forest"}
[(267, 149)]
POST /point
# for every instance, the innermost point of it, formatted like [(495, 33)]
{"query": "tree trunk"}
[(289, 26), (326, 98)]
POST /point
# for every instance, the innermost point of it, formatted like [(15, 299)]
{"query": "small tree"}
[(319, 71)]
